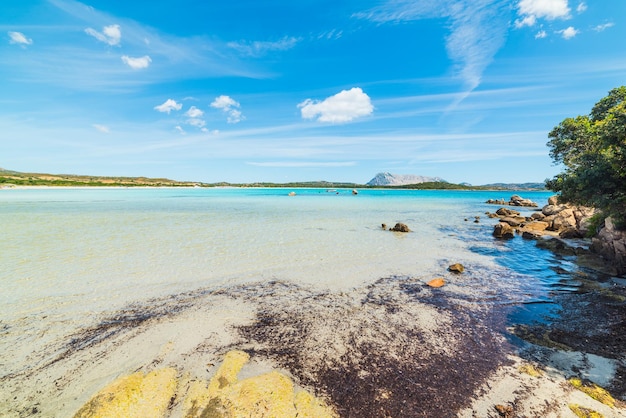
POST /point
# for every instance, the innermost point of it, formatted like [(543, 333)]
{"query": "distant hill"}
[(388, 179), (8, 178), (515, 186)]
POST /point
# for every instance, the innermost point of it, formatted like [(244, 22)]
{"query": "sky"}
[(278, 91)]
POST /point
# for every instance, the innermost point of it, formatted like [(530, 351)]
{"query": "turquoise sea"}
[(69, 256)]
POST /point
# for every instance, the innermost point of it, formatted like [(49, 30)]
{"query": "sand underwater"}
[(393, 347)]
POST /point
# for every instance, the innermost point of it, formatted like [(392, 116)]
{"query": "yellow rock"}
[(308, 406), (593, 390), (137, 395), (583, 412), (268, 395), (531, 370)]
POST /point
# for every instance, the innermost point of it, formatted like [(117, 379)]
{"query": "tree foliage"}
[(593, 150)]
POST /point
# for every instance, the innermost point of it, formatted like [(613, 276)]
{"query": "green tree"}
[(593, 150)]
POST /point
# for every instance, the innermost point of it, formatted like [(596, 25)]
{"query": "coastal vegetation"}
[(592, 149), (14, 178)]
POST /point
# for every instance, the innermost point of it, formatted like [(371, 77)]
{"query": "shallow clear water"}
[(68, 255)]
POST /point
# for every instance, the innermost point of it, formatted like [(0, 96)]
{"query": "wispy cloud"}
[(19, 38), (102, 128), (137, 63), (344, 106), (260, 48), (80, 66), (111, 34), (478, 29), (230, 107), (541, 34), (604, 26)]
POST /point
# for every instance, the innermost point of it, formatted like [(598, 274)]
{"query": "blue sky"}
[(248, 90)]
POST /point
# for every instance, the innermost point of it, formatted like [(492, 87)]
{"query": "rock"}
[(438, 282), (538, 216), (503, 230), (563, 220), (270, 394), (384, 226), (519, 201), (400, 227), (513, 221), (136, 395), (569, 233), (514, 201), (456, 268), (553, 200), (354, 191), (583, 217), (505, 411), (531, 235), (551, 209), (507, 212), (610, 243), (536, 226)]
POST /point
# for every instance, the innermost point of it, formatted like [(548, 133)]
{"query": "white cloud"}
[(541, 34), (344, 106), (526, 21), (102, 128), (234, 116), (259, 48), (111, 34), (229, 106), (168, 106), (478, 29), (548, 9), (569, 33), (604, 26), (180, 130), (581, 7), (19, 38), (224, 103), (137, 63), (194, 112), (198, 123)]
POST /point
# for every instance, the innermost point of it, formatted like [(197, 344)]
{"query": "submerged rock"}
[(456, 268), (400, 227)]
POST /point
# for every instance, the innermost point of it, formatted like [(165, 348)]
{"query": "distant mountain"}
[(388, 179)]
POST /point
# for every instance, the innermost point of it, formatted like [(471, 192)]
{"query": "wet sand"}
[(394, 348)]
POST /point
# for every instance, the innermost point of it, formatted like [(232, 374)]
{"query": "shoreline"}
[(396, 347)]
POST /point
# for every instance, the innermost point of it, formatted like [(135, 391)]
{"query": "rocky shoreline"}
[(564, 222)]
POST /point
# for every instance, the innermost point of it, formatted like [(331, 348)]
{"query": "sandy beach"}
[(395, 348)]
